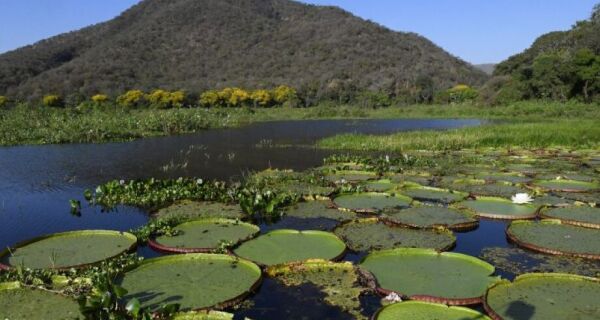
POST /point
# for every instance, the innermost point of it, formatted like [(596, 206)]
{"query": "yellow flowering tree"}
[(239, 97), (3, 101), (225, 95), (262, 98), (210, 98), (131, 99), (52, 100), (283, 94), (100, 99)]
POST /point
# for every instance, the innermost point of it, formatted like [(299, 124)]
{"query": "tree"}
[(596, 14), (53, 100), (587, 69), (262, 98), (283, 94), (131, 99), (238, 97), (3, 102), (210, 98), (550, 76)]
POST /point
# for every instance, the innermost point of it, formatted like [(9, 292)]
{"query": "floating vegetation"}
[(425, 274), (341, 282), (208, 235), (189, 210), (491, 189), (518, 261), (591, 198), (566, 185), (68, 249), (583, 216), (419, 310), (499, 208), (318, 209), (350, 176), (433, 194), (371, 202), (195, 281), (203, 315), (432, 217), (372, 234), (503, 177), (554, 237), (541, 296), (17, 302), (285, 246), (382, 185)]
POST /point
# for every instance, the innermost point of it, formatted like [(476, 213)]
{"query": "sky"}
[(478, 31)]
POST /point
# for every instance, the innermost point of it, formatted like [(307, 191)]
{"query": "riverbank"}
[(26, 125)]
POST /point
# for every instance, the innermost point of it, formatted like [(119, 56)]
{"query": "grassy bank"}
[(564, 133), (33, 125)]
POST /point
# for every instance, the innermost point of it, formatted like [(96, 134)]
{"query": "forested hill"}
[(200, 44), (559, 65)]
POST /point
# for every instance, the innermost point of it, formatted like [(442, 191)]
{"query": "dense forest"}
[(191, 45), (559, 66)]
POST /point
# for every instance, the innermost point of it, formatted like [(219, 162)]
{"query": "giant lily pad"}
[(499, 208), (302, 188), (195, 281), (492, 190), (554, 237), (380, 185), (566, 185), (68, 249), (433, 194), (425, 274), (371, 202), (542, 296), (341, 282), (350, 176), (419, 310), (33, 304), (372, 234), (432, 217), (197, 210), (318, 209), (205, 235), (583, 216), (284, 246)]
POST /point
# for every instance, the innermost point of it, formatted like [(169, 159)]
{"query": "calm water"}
[(36, 183)]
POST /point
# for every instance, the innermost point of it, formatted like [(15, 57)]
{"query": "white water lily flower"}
[(121, 182), (393, 297), (521, 198), (199, 181)]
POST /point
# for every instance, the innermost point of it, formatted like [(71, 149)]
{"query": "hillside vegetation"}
[(196, 45)]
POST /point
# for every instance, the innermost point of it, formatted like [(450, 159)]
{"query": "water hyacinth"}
[(521, 198)]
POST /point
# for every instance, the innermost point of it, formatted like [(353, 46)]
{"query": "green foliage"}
[(373, 100), (3, 102), (131, 99), (458, 94), (53, 101)]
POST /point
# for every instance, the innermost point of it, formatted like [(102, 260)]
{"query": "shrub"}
[(458, 94), (239, 97), (3, 102), (53, 100), (131, 99), (262, 98), (374, 100), (100, 98), (283, 94), (210, 98)]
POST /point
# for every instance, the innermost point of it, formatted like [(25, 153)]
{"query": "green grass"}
[(580, 134), (36, 125)]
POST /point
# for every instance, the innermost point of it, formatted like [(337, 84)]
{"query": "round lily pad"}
[(380, 185), (554, 237), (503, 176), (350, 176), (198, 209), (541, 296), (372, 234), (434, 194), (420, 310), (425, 274), (318, 209), (284, 246), (583, 216), (195, 281), (499, 208), (205, 235), (566, 185), (34, 304), (492, 190), (432, 217), (371, 202), (68, 249)]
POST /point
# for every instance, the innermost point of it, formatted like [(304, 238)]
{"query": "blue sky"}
[(478, 31)]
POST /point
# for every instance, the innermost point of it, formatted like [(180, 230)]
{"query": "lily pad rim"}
[(458, 227), (535, 185), (8, 251), (537, 248), (526, 276), (542, 213), (206, 256), (431, 252), (494, 216), (154, 244), (369, 210), (430, 304)]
